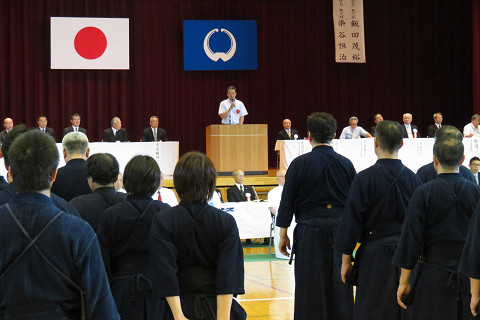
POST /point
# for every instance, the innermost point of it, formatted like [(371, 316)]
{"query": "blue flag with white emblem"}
[(220, 45)]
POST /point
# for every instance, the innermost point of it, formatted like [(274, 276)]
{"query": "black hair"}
[(141, 175), (103, 168), (33, 160), (194, 177), (322, 127), (389, 135), (448, 151)]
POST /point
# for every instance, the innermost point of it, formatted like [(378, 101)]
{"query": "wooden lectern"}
[(242, 147)]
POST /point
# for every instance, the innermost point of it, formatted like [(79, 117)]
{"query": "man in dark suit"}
[(8, 125), (102, 173), (154, 133), (42, 126), (75, 127), (116, 132), (409, 130), (438, 118), (377, 119), (287, 133), (71, 179), (239, 192)]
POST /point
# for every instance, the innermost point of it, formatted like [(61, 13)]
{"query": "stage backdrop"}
[(419, 61)]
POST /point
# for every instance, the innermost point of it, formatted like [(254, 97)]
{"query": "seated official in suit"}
[(116, 132), (438, 118), (409, 130), (75, 127), (102, 173), (377, 119), (71, 179), (8, 125), (42, 126), (287, 133), (239, 192), (154, 133)]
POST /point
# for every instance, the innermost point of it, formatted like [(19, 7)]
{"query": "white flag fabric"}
[(89, 43)]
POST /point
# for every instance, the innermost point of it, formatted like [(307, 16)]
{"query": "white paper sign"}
[(349, 33)]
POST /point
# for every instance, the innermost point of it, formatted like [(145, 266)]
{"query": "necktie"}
[(155, 134), (43, 130), (354, 136), (159, 196), (76, 129), (289, 134)]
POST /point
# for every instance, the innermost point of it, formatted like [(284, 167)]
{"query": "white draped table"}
[(165, 153), (414, 152)]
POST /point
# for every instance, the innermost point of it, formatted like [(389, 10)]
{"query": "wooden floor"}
[(269, 288)]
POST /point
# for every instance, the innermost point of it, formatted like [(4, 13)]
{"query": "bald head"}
[(287, 124), (8, 124)]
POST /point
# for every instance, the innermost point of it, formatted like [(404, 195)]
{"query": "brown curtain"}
[(419, 60)]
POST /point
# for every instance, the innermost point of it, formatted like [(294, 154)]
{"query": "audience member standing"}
[(409, 130), (75, 127), (374, 213), (316, 187), (154, 133), (102, 173), (428, 172), (9, 191), (470, 262), (116, 132), (197, 257), (124, 236), (71, 179), (433, 237), (59, 274)]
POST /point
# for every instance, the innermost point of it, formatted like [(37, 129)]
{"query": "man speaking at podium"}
[(232, 111)]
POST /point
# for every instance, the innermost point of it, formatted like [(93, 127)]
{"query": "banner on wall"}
[(220, 45), (89, 43), (349, 32)]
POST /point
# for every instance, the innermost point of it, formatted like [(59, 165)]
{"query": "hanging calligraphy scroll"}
[(349, 33)]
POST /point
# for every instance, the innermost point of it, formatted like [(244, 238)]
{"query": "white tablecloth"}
[(414, 153), (253, 218), (165, 153)]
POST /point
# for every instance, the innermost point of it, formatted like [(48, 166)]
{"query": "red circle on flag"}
[(238, 111), (90, 43)]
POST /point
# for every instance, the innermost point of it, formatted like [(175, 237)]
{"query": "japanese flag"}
[(89, 43)]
